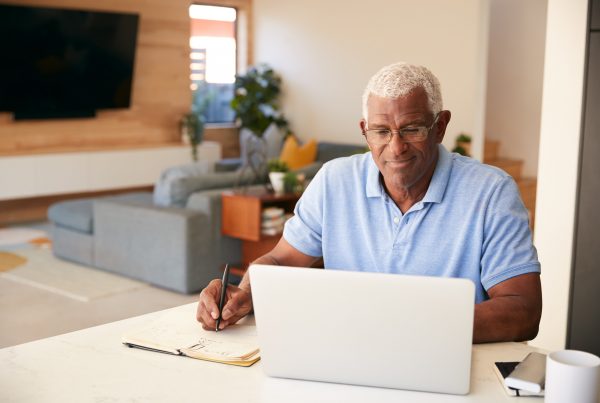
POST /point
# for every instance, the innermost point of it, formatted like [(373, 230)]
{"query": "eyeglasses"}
[(415, 134)]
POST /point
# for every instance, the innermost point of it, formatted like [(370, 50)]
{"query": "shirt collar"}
[(437, 186), (374, 187), (439, 180)]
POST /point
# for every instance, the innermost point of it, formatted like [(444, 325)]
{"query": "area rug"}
[(43, 270), (9, 261), (20, 235)]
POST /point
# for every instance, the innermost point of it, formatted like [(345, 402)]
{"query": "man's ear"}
[(363, 126), (442, 124)]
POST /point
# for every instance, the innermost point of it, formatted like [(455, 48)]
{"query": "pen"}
[(224, 282)]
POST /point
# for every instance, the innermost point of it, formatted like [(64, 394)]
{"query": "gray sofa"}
[(174, 243)]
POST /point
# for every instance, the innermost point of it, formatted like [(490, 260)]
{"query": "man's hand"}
[(238, 303), (239, 299)]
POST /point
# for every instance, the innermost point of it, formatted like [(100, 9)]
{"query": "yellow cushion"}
[(296, 156)]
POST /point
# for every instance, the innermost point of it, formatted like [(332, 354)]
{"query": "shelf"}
[(241, 212), (241, 219)]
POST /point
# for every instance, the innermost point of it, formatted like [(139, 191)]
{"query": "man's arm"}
[(239, 299), (283, 254), (513, 311)]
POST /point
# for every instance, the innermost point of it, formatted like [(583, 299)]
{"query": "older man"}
[(410, 207)]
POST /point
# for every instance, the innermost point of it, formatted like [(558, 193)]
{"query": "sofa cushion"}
[(273, 138), (165, 188), (296, 155), (74, 214), (181, 188), (77, 215)]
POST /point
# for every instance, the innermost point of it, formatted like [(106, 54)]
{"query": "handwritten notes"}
[(178, 332)]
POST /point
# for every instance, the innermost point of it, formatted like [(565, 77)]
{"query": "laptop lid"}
[(372, 329)]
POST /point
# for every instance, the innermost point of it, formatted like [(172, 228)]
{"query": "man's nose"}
[(397, 144)]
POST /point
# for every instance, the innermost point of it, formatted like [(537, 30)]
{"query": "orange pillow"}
[(296, 156)]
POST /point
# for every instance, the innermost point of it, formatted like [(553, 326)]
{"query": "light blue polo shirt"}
[(471, 223)]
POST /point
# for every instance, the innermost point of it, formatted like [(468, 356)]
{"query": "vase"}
[(277, 182), (254, 159), (185, 134)]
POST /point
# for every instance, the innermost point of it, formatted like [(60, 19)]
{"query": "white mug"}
[(572, 376)]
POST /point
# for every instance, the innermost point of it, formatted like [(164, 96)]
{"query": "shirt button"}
[(396, 220)]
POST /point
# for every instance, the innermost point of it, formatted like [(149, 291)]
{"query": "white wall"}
[(327, 50), (515, 72), (558, 162), (59, 173)]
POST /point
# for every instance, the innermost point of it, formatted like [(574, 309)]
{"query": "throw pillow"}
[(273, 138), (296, 156), (164, 189)]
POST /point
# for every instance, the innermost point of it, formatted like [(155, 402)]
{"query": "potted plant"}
[(277, 172), (293, 183), (255, 101), (460, 150), (255, 104), (191, 123), (192, 130), (463, 144)]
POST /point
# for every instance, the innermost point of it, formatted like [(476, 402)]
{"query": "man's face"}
[(404, 165)]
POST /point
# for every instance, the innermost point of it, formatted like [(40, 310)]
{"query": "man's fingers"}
[(211, 308), (210, 296), (208, 310), (231, 320), (231, 307), (236, 306), (204, 316)]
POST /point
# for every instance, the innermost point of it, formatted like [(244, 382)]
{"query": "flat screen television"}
[(65, 63)]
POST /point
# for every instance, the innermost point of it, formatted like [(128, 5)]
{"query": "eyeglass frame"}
[(399, 131)]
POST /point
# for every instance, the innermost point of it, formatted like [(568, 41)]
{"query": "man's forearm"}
[(505, 318)]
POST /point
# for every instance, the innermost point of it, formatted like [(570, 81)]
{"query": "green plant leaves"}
[(255, 100)]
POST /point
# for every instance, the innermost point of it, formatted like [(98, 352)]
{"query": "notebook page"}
[(220, 350), (178, 329)]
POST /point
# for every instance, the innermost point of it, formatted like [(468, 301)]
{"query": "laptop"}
[(371, 329)]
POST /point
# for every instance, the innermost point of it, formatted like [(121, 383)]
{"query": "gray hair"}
[(398, 80)]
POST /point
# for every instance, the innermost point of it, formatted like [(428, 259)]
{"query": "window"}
[(213, 60)]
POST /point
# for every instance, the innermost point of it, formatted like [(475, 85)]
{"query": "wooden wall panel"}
[(160, 94), (228, 137)]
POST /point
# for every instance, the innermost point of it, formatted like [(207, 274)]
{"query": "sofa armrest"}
[(224, 248), (309, 170), (228, 165), (180, 188), (168, 247)]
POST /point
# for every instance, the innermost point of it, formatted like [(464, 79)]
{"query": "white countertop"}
[(92, 365)]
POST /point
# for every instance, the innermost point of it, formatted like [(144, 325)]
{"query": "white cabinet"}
[(48, 174)]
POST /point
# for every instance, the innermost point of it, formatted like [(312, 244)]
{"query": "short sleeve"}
[(305, 229), (507, 249)]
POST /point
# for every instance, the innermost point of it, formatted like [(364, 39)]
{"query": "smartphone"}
[(529, 374)]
